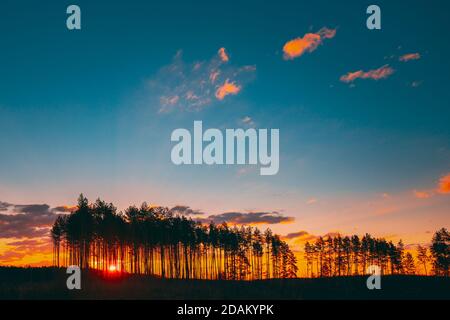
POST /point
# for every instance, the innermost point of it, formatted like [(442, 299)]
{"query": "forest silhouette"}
[(351, 256), (152, 240)]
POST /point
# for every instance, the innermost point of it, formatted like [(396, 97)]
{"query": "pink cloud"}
[(326, 33), (213, 75), (409, 56), (422, 194), (376, 74)]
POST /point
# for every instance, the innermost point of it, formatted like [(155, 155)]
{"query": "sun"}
[(112, 268)]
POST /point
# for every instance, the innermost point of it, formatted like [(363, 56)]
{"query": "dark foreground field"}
[(50, 283)]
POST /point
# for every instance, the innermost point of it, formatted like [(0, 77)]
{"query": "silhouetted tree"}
[(356, 251), (309, 257), (57, 234), (423, 257), (409, 265), (440, 250)]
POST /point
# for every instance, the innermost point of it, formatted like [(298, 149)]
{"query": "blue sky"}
[(78, 113)]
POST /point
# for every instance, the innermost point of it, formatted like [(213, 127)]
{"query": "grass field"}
[(50, 283)]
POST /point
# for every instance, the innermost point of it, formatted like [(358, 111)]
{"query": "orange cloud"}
[(443, 187), (444, 184), (376, 74), (226, 89), (308, 43), (409, 56), (223, 55), (422, 194)]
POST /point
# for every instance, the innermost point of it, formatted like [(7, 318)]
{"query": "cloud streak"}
[(409, 56), (422, 194), (301, 237), (376, 74), (248, 121), (299, 234), (185, 210), (248, 218)]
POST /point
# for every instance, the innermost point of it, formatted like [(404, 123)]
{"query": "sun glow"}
[(112, 268)]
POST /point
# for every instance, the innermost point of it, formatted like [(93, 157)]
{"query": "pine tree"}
[(422, 257), (440, 250), (409, 265)]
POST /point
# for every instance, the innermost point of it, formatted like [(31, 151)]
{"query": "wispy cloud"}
[(65, 208), (184, 211), (308, 43), (299, 234), (376, 74), (416, 84), (422, 194), (409, 56), (182, 86), (248, 218), (247, 121), (301, 237)]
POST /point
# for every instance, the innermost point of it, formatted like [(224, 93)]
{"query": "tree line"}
[(152, 240), (351, 255)]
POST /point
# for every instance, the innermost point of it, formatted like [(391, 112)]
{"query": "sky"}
[(363, 114)]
